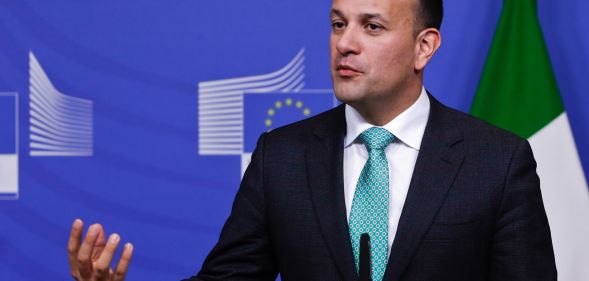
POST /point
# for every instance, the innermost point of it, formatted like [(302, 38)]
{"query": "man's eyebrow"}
[(336, 12), (376, 16), (364, 17)]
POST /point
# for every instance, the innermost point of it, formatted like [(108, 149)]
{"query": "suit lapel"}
[(439, 159), (324, 159)]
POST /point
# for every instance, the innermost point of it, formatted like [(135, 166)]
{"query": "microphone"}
[(365, 270)]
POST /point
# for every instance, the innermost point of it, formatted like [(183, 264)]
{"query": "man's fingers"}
[(85, 251), (73, 243), (92, 257), (102, 265), (123, 265), (99, 245)]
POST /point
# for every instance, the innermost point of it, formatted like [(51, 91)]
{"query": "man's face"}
[(373, 48)]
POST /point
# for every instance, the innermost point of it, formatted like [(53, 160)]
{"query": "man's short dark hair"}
[(430, 13)]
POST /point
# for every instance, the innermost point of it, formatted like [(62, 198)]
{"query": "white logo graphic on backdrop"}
[(220, 105), (60, 125), (223, 106), (9, 146)]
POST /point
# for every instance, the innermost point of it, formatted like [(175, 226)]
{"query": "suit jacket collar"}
[(324, 159), (438, 162)]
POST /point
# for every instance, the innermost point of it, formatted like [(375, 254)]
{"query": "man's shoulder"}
[(478, 132)]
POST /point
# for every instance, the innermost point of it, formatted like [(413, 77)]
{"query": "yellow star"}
[(268, 122), (271, 112), (306, 112), (288, 102), (299, 104), (278, 104)]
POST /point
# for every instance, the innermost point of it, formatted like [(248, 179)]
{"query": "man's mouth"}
[(345, 70)]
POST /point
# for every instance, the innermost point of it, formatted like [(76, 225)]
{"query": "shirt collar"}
[(408, 127)]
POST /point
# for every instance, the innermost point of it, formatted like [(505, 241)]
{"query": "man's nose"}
[(347, 42)]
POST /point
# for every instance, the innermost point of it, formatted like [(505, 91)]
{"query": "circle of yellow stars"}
[(288, 102)]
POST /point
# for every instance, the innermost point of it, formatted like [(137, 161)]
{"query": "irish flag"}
[(518, 92)]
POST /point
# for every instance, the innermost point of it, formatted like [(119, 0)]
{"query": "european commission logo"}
[(232, 113), (59, 125)]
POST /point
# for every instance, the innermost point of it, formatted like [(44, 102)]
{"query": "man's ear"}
[(428, 41)]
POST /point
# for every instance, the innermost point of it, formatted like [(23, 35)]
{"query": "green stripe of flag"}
[(518, 91)]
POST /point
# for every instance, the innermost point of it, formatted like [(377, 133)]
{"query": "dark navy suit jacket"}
[(473, 212)]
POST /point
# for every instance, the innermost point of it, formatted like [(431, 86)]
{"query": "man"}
[(442, 195)]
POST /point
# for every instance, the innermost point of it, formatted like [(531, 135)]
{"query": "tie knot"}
[(376, 138)]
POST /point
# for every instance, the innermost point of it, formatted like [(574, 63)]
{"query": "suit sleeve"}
[(244, 251), (522, 245)]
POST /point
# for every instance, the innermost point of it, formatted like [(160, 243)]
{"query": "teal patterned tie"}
[(370, 206)]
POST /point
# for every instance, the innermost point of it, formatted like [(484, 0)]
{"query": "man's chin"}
[(348, 95)]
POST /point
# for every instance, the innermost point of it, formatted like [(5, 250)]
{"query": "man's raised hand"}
[(90, 260)]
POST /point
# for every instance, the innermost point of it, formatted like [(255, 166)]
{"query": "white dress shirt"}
[(408, 129)]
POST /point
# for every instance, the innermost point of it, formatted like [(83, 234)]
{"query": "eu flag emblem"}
[(266, 111)]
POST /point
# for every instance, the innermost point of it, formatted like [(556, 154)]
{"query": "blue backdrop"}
[(155, 168)]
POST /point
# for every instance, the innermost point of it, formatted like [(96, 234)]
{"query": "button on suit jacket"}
[(474, 209)]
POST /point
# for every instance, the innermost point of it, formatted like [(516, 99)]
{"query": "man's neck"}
[(382, 111)]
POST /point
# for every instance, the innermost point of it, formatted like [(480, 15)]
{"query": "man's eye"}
[(337, 25), (373, 27)]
